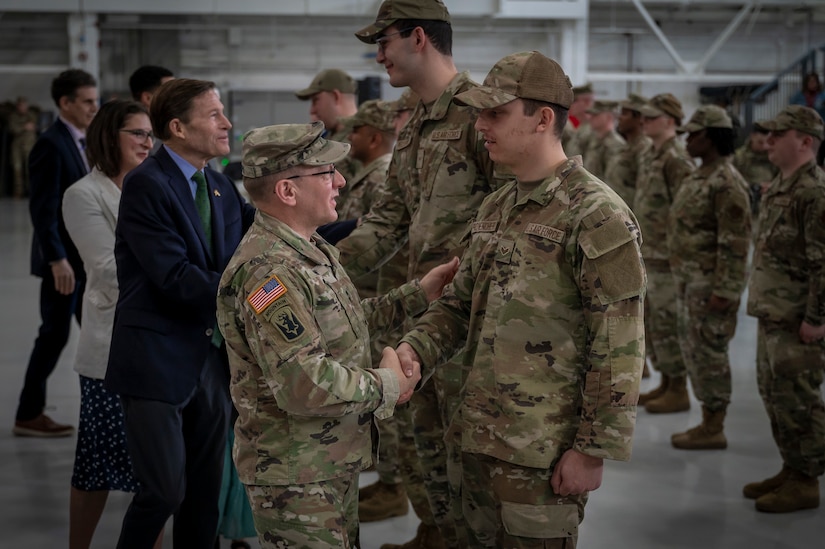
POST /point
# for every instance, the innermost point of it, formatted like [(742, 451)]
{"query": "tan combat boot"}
[(755, 490), (708, 435), (427, 537), (644, 398), (674, 399), (383, 501), (798, 492)]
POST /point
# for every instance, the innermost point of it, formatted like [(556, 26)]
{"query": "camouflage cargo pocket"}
[(540, 521), (717, 329)]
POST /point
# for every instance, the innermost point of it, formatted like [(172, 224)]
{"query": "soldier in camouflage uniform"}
[(298, 345), (621, 174), (332, 100), (605, 144), (548, 301), (662, 170), (577, 132), (751, 159), (438, 176), (708, 235), (787, 295), (23, 129)]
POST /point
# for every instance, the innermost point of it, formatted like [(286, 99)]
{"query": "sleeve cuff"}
[(390, 393)]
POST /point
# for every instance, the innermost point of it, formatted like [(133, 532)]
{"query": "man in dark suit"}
[(56, 162), (178, 226)]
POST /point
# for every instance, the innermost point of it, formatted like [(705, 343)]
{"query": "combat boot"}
[(798, 492), (708, 435), (644, 398), (427, 537), (383, 501), (674, 399), (755, 490)]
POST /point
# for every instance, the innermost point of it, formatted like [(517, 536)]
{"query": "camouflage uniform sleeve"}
[(813, 222), (383, 231), (676, 170), (612, 284), (732, 210), (303, 374), (387, 312)]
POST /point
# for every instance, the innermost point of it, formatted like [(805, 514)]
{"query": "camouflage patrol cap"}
[(273, 149), (707, 116), (393, 10), (328, 80), (524, 75), (584, 89), (796, 117), (603, 106), (407, 101), (374, 113), (664, 103), (634, 102)]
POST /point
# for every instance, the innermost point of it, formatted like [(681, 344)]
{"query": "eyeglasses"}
[(330, 173), (141, 135), (382, 42)]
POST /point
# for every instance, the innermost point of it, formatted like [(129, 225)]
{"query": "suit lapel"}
[(109, 198), (80, 166)]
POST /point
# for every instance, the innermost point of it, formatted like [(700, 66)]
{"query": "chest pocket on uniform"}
[(336, 302), (610, 250)]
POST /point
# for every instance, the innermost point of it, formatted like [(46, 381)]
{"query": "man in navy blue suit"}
[(57, 161), (178, 226)]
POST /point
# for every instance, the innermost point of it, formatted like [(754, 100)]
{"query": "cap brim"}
[(690, 127), (332, 152), (370, 33), (483, 97), (306, 93), (651, 112), (770, 125)]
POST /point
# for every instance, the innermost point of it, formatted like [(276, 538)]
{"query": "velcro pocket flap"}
[(540, 521)]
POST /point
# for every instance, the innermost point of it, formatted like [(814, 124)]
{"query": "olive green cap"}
[(585, 88), (374, 113), (664, 103), (707, 116), (796, 117), (603, 106), (273, 149), (393, 10), (634, 102), (328, 80)]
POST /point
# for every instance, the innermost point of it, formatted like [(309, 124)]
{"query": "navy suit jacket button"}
[(209, 332)]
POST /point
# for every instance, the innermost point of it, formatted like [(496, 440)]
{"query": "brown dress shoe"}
[(41, 426)]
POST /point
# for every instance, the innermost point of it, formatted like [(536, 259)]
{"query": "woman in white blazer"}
[(118, 139)]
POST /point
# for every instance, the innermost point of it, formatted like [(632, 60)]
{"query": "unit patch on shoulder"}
[(286, 321), (266, 294)]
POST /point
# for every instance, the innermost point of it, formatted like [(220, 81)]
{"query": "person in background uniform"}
[(709, 230), (167, 361), (299, 344), (661, 172), (605, 144), (438, 176), (622, 174), (787, 295), (332, 99), (751, 159), (548, 301), (57, 161), (23, 129), (576, 141)]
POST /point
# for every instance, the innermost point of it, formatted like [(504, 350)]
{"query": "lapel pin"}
[(216, 192)]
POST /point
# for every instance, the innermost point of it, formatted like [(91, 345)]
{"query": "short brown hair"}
[(174, 100), (531, 106), (103, 135)]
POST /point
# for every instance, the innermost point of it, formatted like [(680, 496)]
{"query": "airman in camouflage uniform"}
[(622, 174), (751, 159), (708, 235), (548, 301), (787, 295), (662, 170), (332, 100), (577, 132), (605, 144), (438, 176), (298, 345)]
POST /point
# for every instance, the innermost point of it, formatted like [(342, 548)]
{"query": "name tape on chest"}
[(266, 294), (544, 231), (445, 135), (483, 226)]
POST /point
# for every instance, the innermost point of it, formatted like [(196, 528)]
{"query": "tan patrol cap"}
[(393, 10), (634, 102), (273, 149), (603, 106), (328, 80), (664, 103), (525, 75), (796, 117), (374, 113), (707, 116), (584, 89)]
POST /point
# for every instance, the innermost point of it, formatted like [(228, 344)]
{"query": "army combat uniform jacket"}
[(622, 173), (299, 355), (548, 300), (787, 283)]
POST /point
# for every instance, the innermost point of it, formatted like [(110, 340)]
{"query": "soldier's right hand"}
[(406, 384)]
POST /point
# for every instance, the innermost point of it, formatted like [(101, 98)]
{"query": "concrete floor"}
[(663, 498)]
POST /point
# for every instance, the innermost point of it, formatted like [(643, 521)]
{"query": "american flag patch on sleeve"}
[(266, 294)]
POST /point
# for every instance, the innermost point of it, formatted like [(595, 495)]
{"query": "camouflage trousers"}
[(661, 324), (20, 149), (790, 374), (433, 406), (509, 506), (704, 336), (307, 516)]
